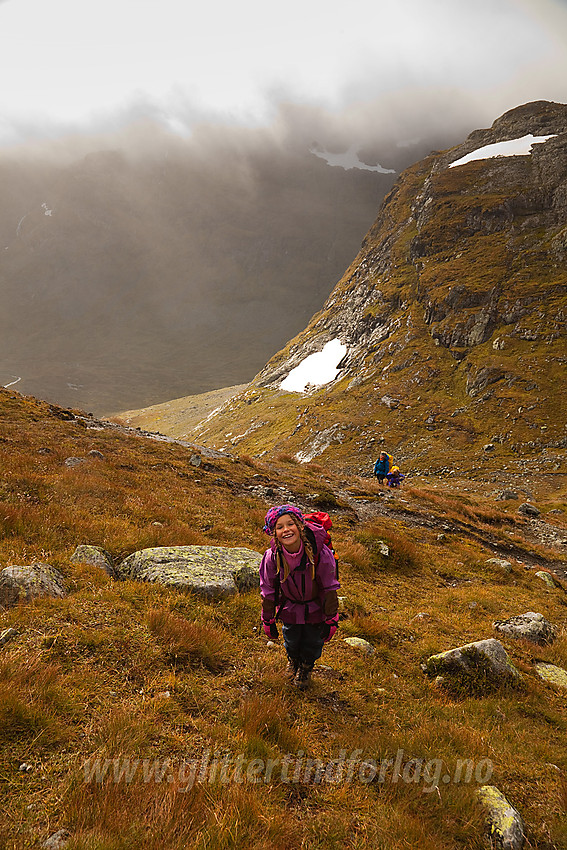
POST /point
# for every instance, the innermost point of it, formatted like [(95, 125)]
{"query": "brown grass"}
[(191, 643), (121, 670)]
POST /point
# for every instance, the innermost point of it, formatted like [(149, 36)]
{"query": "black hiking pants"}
[(303, 642)]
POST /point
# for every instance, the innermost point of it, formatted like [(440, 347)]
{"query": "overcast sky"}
[(71, 64)]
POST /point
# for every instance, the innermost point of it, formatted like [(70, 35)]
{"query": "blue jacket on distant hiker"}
[(382, 466)]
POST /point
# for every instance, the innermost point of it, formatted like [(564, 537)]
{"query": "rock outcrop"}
[(552, 674), (505, 824), (481, 660), (95, 556), (530, 626), (24, 583), (210, 571)]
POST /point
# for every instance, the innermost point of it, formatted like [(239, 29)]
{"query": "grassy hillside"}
[(111, 698)]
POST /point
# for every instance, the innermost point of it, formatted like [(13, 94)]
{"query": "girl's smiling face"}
[(287, 533)]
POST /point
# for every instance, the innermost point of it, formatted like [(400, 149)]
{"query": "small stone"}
[(57, 841), (25, 767), (507, 494), (506, 566), (360, 643), (74, 461), (195, 460), (383, 549), (489, 447), (527, 509), (505, 823), (271, 644), (547, 578), (94, 453)]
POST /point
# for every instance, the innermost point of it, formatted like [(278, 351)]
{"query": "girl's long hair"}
[(306, 544)]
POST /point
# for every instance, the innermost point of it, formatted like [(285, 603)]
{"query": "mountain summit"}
[(450, 322)]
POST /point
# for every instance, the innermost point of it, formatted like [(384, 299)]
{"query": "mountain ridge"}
[(453, 314)]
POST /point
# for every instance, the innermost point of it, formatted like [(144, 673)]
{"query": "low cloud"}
[(170, 265)]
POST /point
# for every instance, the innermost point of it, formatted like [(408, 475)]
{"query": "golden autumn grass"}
[(146, 677)]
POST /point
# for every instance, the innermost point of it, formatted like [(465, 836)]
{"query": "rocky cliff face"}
[(453, 314)]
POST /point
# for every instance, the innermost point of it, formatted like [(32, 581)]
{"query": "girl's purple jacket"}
[(302, 600)]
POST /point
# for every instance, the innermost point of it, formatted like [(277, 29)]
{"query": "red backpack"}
[(323, 520)]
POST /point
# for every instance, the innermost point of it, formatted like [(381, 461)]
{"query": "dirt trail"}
[(536, 531)]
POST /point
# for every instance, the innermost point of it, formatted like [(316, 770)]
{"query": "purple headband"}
[(275, 513)]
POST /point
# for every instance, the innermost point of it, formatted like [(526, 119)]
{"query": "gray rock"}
[(95, 556), (96, 454), (508, 494), (195, 460), (391, 403), (528, 509), (487, 657), (74, 461), (489, 447), (506, 827), (209, 571), (501, 563), (20, 583), (58, 840), (530, 626)]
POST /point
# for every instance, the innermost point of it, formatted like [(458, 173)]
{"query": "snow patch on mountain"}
[(513, 147), (317, 369), (349, 159)]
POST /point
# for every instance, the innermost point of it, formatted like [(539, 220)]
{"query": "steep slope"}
[(453, 317)]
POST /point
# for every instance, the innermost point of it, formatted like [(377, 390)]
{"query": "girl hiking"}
[(299, 586)]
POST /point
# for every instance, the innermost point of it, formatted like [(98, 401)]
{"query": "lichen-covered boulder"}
[(552, 674), (530, 626), (487, 658), (21, 583), (95, 556), (505, 824), (547, 579), (360, 643), (210, 571)]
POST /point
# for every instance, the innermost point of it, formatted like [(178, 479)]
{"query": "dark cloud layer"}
[(139, 266)]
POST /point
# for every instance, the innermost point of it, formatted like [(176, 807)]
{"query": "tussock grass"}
[(191, 643)]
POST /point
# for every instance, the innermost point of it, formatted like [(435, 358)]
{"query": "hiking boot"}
[(303, 676), (291, 669)]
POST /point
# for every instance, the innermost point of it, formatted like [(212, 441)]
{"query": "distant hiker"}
[(383, 466), (298, 583), (395, 477)]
